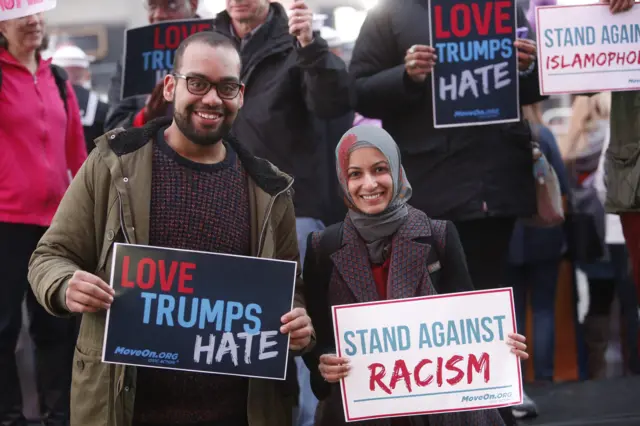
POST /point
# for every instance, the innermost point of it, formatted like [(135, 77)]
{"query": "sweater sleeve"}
[(75, 144)]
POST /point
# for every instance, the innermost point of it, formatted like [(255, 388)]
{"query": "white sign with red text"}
[(592, 51), (12, 9), (428, 355)]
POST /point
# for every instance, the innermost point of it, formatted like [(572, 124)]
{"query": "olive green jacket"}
[(108, 202), (622, 163)]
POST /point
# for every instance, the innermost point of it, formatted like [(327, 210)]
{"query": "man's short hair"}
[(209, 38)]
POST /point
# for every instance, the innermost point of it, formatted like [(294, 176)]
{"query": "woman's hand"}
[(518, 347), (332, 368), (419, 62)]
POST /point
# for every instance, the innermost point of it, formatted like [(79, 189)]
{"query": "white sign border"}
[(106, 325), (343, 388), (481, 123), (540, 47)]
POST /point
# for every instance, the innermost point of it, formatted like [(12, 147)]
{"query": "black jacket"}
[(93, 113), (456, 173), (287, 89)]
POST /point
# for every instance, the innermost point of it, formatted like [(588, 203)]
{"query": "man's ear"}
[(169, 91), (241, 97)]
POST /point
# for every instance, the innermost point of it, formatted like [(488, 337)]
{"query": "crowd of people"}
[(263, 141)]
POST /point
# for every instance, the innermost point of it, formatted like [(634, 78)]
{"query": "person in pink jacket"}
[(41, 146)]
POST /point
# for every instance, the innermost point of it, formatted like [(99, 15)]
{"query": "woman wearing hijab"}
[(374, 258)]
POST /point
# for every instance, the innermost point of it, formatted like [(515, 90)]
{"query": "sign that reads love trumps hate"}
[(596, 51), (428, 355), (475, 79), (149, 52), (197, 311), (12, 9)]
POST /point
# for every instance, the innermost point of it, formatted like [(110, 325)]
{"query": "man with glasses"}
[(124, 111), (189, 186)]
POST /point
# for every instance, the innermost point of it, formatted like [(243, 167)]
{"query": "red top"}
[(40, 144), (381, 277)]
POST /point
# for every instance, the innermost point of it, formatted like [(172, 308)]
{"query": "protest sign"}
[(12, 9), (149, 51), (428, 355), (197, 311), (595, 51), (475, 79)]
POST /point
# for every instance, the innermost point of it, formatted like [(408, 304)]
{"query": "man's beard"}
[(204, 138)]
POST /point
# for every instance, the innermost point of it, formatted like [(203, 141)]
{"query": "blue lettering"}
[(209, 314), (362, 340), (438, 336), (351, 350), (157, 59), (425, 340), (257, 324), (181, 313), (147, 60), (389, 337), (404, 340), (375, 345), (507, 48), (548, 37), (486, 322), (500, 318), (166, 304), (473, 329), (235, 311), (148, 297), (452, 333)]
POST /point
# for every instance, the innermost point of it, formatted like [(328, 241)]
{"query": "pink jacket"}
[(39, 143)]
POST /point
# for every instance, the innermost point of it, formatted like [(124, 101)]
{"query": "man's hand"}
[(617, 6), (156, 106), (527, 51), (88, 293), (419, 62), (301, 22), (298, 324)]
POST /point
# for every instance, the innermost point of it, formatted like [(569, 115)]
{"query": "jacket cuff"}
[(310, 53), (58, 299)]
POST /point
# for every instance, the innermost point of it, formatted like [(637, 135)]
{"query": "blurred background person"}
[(535, 255), (93, 111), (42, 144)]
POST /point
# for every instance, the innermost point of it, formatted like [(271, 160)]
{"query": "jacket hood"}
[(268, 177)]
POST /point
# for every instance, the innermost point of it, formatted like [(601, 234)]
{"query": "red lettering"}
[(125, 282), (502, 17), (400, 372), (466, 20), (439, 372), (172, 37), (204, 27), (474, 364), (416, 374), (151, 280), (440, 32), (451, 366), (377, 374), (157, 44), (166, 279), (184, 276), (482, 22)]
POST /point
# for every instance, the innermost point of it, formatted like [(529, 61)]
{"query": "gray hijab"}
[(376, 230)]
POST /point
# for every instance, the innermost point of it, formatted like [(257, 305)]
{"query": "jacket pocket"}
[(89, 389)]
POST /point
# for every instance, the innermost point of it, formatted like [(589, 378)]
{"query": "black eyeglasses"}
[(201, 86), (171, 5)]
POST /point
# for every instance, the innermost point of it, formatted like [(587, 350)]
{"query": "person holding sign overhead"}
[(384, 249), (179, 183), (476, 174)]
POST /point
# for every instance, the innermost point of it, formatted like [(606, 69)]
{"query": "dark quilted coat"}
[(352, 282)]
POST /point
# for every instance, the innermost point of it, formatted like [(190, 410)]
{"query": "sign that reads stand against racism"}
[(198, 311), (149, 52), (428, 355), (594, 51), (475, 79), (12, 9)]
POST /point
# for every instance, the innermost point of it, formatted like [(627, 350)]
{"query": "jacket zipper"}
[(266, 217), (121, 214)]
